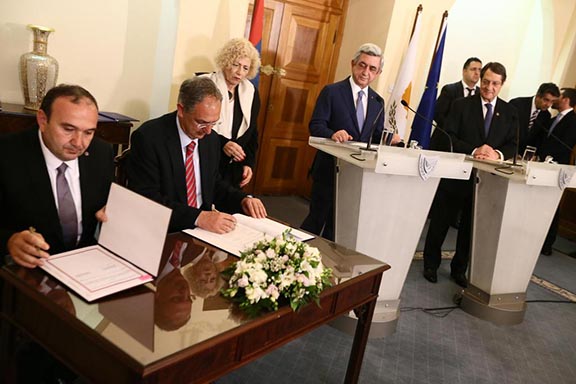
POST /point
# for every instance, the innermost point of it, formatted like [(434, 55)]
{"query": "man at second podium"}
[(485, 127), (344, 111)]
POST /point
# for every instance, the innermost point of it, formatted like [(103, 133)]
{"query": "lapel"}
[(346, 94), (174, 151)]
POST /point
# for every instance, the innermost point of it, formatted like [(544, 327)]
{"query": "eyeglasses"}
[(207, 125)]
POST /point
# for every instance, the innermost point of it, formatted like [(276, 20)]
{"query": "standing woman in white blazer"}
[(237, 62)]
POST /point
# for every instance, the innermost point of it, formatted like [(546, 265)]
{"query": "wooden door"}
[(308, 40)]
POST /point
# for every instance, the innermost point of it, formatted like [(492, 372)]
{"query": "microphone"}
[(404, 103), (373, 127)]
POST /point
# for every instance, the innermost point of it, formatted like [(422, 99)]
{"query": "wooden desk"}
[(115, 340), (14, 118)]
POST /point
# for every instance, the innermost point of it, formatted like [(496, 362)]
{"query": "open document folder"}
[(247, 232), (128, 252)]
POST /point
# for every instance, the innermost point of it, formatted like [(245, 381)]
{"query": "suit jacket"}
[(555, 145), (26, 197), (448, 94), (465, 124), (523, 107), (335, 110), (156, 170)]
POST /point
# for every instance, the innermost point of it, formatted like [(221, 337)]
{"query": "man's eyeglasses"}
[(207, 125)]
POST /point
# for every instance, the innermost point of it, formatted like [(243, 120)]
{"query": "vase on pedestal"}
[(38, 70)]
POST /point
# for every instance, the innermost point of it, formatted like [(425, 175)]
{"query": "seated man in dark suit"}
[(534, 110), (174, 160), (54, 179), (342, 115), (556, 139), (484, 126)]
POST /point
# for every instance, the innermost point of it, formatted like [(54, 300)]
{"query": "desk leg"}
[(364, 314), (7, 337)]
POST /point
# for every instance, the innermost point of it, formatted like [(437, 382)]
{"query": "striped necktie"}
[(533, 117), (191, 176)]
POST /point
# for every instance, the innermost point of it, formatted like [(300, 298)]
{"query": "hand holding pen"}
[(28, 248)]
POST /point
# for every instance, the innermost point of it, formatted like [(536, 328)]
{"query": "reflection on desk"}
[(183, 310)]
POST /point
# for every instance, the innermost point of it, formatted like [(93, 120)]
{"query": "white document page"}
[(134, 234), (93, 272), (136, 228), (247, 232)]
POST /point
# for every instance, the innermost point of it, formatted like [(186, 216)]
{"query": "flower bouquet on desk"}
[(275, 272)]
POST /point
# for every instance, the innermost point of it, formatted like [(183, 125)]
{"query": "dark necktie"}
[(66, 208), (469, 90), (533, 117), (360, 111), (190, 176), (487, 119)]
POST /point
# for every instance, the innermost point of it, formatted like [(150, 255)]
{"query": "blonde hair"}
[(235, 49)]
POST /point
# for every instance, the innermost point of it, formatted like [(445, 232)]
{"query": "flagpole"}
[(444, 17), (418, 12)]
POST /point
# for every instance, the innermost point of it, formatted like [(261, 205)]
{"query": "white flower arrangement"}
[(274, 272)]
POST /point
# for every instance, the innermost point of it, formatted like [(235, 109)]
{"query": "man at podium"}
[(484, 126), (346, 110)]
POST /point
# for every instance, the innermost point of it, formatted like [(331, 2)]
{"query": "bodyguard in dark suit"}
[(161, 168), (463, 88), (556, 139), (484, 126), (336, 116), (533, 111), (67, 121)]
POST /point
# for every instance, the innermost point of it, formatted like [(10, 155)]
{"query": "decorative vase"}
[(38, 70)]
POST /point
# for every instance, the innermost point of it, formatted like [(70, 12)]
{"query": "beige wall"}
[(133, 54), (111, 47)]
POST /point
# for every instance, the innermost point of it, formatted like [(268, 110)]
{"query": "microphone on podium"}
[(373, 127), (404, 103)]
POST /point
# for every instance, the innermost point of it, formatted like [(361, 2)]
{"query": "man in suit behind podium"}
[(556, 139), (53, 179), (174, 160), (344, 111), (463, 88), (483, 126), (533, 111)]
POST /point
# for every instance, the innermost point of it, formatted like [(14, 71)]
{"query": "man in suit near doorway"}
[(344, 111), (463, 88), (556, 139), (533, 111), (54, 179), (483, 126), (174, 160)]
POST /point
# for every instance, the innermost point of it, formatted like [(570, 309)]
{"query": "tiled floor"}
[(433, 348)]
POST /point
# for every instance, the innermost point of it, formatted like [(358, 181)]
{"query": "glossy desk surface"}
[(155, 330)]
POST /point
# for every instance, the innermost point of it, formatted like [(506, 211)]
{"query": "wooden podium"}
[(512, 214), (382, 202)]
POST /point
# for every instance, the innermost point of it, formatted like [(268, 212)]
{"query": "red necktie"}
[(190, 175), (175, 256)]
